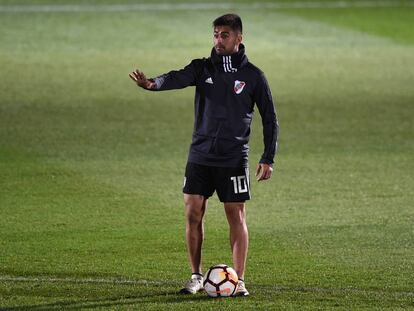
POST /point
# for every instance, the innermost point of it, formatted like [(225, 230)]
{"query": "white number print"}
[(240, 184)]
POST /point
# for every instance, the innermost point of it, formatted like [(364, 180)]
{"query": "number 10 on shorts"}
[(240, 184)]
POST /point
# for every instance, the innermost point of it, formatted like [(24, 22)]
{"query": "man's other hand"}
[(263, 171), (141, 80)]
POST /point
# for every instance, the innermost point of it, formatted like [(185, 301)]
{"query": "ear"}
[(239, 38)]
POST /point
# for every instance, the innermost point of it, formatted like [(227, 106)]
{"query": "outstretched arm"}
[(141, 80), (175, 79)]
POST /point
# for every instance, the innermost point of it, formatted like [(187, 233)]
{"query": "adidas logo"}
[(209, 80)]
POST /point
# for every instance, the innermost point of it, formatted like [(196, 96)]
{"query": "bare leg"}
[(195, 206), (239, 236)]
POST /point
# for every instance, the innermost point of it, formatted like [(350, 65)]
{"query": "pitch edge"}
[(198, 6)]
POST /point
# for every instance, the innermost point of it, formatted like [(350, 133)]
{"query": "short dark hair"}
[(231, 20)]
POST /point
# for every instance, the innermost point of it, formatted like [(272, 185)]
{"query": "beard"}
[(221, 50)]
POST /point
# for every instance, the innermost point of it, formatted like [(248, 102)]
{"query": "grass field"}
[(91, 212)]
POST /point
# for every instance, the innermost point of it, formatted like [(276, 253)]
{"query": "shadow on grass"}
[(78, 304), (72, 292)]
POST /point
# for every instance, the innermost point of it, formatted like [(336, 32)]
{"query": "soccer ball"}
[(220, 281)]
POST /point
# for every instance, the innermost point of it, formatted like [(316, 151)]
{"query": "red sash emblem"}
[(238, 86)]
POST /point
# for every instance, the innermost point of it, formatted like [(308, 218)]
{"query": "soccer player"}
[(227, 88)]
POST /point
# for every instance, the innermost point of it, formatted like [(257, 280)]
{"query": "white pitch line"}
[(7, 278), (197, 6)]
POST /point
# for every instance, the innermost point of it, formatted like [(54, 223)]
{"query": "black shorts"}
[(232, 184)]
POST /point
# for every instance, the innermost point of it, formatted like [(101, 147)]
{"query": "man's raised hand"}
[(141, 80)]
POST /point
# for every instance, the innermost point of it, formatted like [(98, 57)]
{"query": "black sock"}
[(196, 273)]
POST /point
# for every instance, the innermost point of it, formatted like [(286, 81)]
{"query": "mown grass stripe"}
[(197, 6)]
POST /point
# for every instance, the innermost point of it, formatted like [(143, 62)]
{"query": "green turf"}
[(393, 23), (91, 168)]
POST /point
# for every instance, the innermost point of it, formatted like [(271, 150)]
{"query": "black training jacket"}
[(227, 87)]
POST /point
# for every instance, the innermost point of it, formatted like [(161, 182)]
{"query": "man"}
[(227, 87)]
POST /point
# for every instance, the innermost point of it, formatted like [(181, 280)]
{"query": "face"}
[(226, 41)]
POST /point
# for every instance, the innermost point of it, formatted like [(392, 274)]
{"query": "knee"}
[(194, 218), (194, 212), (236, 216), (237, 222)]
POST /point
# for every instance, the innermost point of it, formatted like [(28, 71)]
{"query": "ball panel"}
[(232, 275), (210, 289), (217, 275), (227, 289)]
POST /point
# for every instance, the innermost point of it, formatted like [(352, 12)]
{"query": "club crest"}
[(238, 86)]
